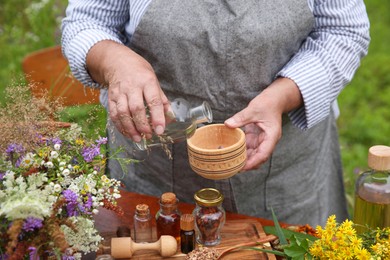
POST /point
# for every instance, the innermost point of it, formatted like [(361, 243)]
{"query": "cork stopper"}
[(168, 198), (379, 157), (142, 209), (187, 222)]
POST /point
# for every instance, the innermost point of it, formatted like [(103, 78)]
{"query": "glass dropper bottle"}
[(181, 123)]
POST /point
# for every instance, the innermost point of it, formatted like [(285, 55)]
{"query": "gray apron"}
[(227, 52)]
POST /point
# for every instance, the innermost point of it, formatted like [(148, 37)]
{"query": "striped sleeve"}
[(328, 59), (85, 24)]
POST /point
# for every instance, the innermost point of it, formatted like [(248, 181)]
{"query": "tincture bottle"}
[(372, 191), (168, 216), (187, 233), (181, 123), (209, 216), (142, 224)]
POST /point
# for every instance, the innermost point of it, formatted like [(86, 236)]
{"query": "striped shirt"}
[(323, 66)]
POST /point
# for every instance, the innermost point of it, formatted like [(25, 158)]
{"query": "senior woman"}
[(273, 67)]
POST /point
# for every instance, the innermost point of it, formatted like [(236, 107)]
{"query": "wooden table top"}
[(108, 221)]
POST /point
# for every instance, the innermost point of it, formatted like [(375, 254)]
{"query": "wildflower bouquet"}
[(49, 194), (52, 181)]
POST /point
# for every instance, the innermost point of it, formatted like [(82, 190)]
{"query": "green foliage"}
[(364, 103), (295, 245), (30, 25)]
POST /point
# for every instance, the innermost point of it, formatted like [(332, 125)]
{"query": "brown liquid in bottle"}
[(168, 217)]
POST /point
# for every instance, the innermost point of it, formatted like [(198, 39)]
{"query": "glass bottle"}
[(142, 224), (209, 216), (372, 191), (168, 216), (187, 233), (181, 123)]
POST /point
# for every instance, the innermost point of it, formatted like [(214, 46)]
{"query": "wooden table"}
[(107, 222)]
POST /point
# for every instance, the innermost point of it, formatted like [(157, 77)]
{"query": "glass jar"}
[(372, 191), (181, 123), (168, 216), (142, 224), (209, 216)]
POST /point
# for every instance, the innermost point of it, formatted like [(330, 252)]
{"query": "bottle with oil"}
[(372, 191), (168, 217), (181, 123)]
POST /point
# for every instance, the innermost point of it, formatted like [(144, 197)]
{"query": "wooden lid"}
[(168, 198), (187, 222), (379, 157)]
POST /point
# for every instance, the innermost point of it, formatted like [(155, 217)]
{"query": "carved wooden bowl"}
[(217, 151)]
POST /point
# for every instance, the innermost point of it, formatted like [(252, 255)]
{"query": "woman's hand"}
[(132, 88), (262, 119)]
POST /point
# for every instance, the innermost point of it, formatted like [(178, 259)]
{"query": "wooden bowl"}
[(217, 151)]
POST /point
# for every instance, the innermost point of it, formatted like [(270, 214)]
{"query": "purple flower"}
[(90, 152), (88, 203), (101, 140), (12, 148), (2, 174), (33, 253), (68, 257), (32, 223), (72, 204), (56, 140)]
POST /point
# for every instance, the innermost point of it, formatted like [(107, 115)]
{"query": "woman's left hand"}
[(262, 120)]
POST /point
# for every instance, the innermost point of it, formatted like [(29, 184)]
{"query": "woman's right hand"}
[(133, 87)]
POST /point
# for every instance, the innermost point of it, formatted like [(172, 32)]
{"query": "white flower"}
[(57, 147), (87, 240), (49, 165), (21, 205), (57, 187), (27, 161), (66, 172), (95, 211), (116, 195), (53, 154), (62, 163)]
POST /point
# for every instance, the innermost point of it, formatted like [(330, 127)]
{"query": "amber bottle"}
[(168, 217), (187, 233)]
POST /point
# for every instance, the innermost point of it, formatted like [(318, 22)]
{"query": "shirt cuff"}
[(311, 78), (76, 53)]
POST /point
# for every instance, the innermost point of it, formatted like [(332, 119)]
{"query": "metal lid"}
[(208, 197)]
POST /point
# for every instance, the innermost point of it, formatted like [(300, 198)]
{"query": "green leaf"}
[(288, 233), (297, 249), (279, 232), (275, 252)]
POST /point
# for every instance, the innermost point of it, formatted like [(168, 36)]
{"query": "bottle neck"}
[(202, 113)]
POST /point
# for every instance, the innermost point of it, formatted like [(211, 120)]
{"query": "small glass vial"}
[(142, 224), (372, 191), (209, 216), (168, 217), (181, 124), (187, 233)]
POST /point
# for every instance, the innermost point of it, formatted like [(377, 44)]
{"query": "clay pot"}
[(217, 151)]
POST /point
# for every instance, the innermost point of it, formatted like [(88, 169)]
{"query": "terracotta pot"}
[(217, 151)]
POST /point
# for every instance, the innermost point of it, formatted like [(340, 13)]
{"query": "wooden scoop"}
[(124, 247)]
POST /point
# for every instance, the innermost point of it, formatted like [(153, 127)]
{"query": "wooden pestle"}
[(124, 247)]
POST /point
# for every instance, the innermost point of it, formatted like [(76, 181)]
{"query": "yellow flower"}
[(80, 141)]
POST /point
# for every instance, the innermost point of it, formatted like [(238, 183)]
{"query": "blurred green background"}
[(29, 25)]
